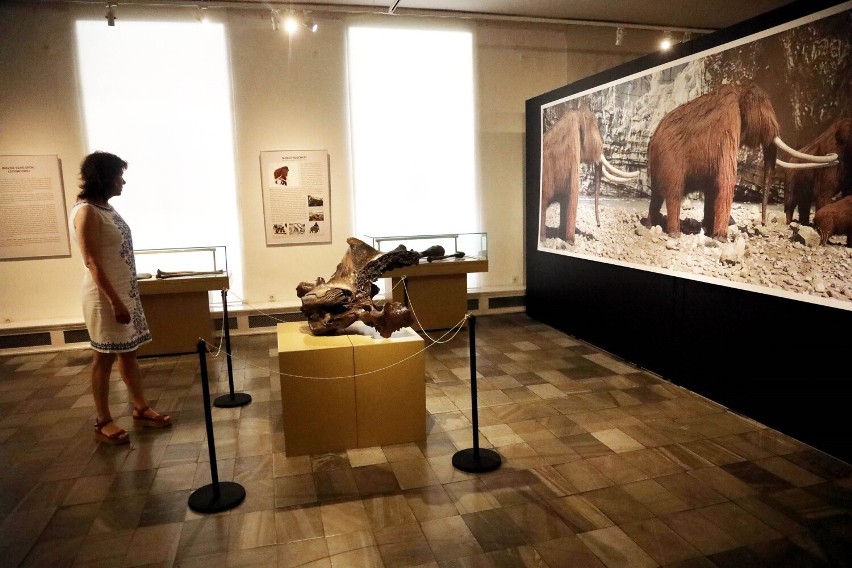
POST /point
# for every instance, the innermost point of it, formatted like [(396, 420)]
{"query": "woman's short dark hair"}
[(97, 173)]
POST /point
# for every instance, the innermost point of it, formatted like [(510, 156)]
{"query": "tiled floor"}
[(603, 465)]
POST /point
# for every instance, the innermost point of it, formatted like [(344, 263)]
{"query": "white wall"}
[(288, 95)]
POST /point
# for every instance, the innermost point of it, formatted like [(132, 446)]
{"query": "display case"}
[(435, 289), (471, 245), (178, 262), (177, 287)]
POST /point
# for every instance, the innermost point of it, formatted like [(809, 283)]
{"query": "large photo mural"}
[(732, 166)]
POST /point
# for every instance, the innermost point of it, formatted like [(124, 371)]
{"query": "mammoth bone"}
[(347, 297), (574, 139), (437, 252), (161, 274)]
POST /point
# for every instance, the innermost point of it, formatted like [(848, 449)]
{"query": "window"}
[(411, 107), (158, 95)]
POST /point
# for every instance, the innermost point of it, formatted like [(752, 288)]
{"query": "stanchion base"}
[(467, 460), (205, 500), (228, 401)]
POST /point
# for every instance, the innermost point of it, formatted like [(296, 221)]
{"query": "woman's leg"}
[(101, 369), (128, 366)]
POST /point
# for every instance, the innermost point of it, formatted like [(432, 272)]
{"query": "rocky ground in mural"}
[(775, 255)]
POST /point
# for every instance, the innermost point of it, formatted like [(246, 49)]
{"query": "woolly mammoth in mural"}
[(695, 146), (572, 140), (818, 187), (835, 219)]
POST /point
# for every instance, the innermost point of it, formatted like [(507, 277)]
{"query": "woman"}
[(112, 308)]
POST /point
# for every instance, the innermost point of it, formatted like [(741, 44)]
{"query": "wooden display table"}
[(353, 390), (437, 291), (178, 312)]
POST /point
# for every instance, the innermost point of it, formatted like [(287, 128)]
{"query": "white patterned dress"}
[(119, 266)]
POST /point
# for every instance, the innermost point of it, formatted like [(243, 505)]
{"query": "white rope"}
[(455, 329), (452, 332), (414, 313), (257, 309)]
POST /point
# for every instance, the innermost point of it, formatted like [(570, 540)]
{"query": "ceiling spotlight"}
[(291, 24), (201, 14), (619, 36), (666, 42), (295, 20), (275, 21), (110, 14)]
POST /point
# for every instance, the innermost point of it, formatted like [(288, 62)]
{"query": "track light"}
[(291, 24), (275, 21), (201, 13), (293, 21), (619, 36), (110, 14)]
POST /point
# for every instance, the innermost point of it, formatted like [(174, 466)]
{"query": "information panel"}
[(296, 204), (33, 218)]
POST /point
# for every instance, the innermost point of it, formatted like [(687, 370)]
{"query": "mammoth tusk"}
[(163, 274), (801, 155), (614, 179), (618, 172), (806, 166)]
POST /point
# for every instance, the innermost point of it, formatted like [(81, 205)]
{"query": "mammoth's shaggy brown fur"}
[(573, 140), (818, 187), (835, 219), (695, 148)]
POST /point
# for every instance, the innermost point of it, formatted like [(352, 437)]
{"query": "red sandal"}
[(149, 418), (115, 439)]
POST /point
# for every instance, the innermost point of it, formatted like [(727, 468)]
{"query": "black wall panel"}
[(784, 363)]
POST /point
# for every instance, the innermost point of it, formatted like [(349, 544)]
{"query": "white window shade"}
[(158, 95), (412, 113)]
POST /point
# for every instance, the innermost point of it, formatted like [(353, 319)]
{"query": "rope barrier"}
[(452, 332)]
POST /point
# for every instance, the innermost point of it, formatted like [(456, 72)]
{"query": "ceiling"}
[(685, 13), (704, 15)]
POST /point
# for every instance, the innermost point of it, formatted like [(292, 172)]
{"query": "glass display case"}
[(471, 246), (180, 262), (435, 289), (177, 287)]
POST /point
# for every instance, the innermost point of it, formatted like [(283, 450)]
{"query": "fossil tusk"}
[(455, 255), (161, 274), (801, 155)]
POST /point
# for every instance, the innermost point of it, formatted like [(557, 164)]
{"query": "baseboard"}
[(242, 320)]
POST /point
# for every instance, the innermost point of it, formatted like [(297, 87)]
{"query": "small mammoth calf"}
[(835, 219)]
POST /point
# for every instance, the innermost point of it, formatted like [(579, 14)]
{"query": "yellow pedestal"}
[(389, 385), (333, 401)]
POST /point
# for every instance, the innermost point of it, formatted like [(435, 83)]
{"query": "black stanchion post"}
[(475, 460), (233, 399), (216, 496)]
